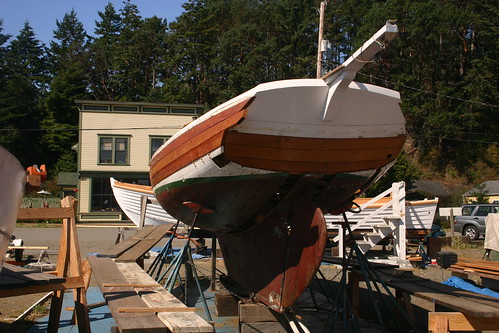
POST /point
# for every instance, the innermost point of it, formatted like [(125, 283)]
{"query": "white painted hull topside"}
[(130, 202), (364, 111), (297, 108), (205, 167), (418, 216)]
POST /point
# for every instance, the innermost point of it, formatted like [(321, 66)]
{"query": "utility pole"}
[(319, 43)]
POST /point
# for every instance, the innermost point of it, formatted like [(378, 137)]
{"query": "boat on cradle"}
[(262, 169), (419, 215), (130, 199)]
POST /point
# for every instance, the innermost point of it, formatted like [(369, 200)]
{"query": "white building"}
[(117, 139)]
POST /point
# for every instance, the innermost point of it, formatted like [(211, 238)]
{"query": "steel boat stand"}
[(369, 275), (185, 257)]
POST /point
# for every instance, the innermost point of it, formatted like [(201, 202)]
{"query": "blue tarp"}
[(454, 281)]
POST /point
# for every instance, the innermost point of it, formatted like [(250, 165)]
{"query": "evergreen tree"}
[(441, 64), (71, 44), (103, 54), (26, 77), (69, 65)]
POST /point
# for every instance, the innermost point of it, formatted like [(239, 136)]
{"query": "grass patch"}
[(38, 225)]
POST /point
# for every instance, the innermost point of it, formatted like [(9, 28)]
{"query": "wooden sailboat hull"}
[(269, 163)]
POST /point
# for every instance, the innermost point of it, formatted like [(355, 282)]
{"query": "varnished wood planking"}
[(192, 155), (201, 127), (298, 155), (196, 142), (312, 167), (314, 144), (134, 187), (302, 155)]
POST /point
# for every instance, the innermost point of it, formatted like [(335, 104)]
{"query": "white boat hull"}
[(129, 199), (419, 215), (12, 183)]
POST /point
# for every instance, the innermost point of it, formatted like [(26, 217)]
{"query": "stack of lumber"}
[(484, 268)]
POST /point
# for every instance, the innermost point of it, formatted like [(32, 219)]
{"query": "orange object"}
[(34, 170)]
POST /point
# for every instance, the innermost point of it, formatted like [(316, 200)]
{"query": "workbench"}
[(464, 310), (137, 302)]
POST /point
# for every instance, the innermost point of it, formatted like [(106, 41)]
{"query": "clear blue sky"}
[(42, 14)]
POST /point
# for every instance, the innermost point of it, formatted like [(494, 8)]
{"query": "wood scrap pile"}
[(486, 268)]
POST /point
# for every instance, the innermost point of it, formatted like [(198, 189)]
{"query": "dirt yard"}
[(94, 240)]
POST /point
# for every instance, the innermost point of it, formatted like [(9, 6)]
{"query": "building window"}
[(154, 109), (125, 108), (113, 149), (156, 142), (102, 196), (96, 107), (183, 110)]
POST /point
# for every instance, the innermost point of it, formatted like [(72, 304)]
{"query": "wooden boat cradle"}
[(71, 272)]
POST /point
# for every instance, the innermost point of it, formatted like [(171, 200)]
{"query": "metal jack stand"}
[(185, 256), (160, 260), (342, 302)]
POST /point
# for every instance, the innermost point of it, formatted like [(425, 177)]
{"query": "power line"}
[(85, 129), (431, 93), (452, 139)]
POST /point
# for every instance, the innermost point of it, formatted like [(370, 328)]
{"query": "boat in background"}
[(419, 214), (12, 183), (262, 169), (129, 197)]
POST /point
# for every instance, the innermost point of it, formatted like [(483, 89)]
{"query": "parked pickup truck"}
[(472, 221)]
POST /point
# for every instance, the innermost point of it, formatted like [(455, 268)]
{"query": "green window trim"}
[(155, 142), (114, 150)]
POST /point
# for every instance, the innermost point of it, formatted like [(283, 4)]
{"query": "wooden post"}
[(143, 208), (319, 42), (69, 265), (451, 228), (213, 261), (354, 291)]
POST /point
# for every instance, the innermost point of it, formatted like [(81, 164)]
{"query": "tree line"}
[(444, 62)]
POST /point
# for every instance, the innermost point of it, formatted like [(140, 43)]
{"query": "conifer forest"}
[(444, 63)]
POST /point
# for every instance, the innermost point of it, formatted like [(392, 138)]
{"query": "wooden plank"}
[(274, 327), (474, 269), (160, 297), (129, 242), (485, 264), (157, 309), (457, 321), (69, 283), (254, 313), (105, 271), (460, 300), (459, 272), (144, 245), (26, 214), (25, 276)]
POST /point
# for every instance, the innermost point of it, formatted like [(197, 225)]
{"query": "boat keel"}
[(277, 259)]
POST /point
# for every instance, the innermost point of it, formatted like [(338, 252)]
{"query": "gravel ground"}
[(94, 240)]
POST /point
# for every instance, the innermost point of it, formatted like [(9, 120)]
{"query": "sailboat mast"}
[(319, 43)]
